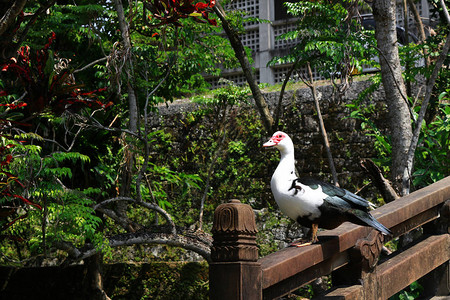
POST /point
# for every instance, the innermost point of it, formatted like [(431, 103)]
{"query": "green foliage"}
[(177, 56), (411, 293), (331, 41), (82, 36), (67, 184), (234, 165), (412, 58), (433, 152), (366, 112), (218, 143), (229, 95), (159, 281), (163, 181), (70, 218), (166, 12), (67, 215)]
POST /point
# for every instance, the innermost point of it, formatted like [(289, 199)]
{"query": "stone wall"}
[(348, 143)]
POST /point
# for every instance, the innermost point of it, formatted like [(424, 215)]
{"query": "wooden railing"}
[(350, 253)]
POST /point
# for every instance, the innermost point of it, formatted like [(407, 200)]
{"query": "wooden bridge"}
[(350, 253)]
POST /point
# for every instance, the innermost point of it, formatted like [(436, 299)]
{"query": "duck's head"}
[(281, 141)]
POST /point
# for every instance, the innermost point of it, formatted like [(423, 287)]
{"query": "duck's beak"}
[(270, 143)]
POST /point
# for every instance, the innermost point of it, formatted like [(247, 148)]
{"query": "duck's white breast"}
[(294, 203)]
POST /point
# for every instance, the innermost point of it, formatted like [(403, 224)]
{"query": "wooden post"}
[(437, 282), (235, 272), (360, 274)]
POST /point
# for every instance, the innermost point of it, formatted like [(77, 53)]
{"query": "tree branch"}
[(144, 204), (424, 106), (280, 99), (190, 241), (124, 222), (98, 125), (90, 64), (404, 97), (10, 15), (241, 55), (322, 128), (383, 185), (197, 242), (445, 10), (69, 248)]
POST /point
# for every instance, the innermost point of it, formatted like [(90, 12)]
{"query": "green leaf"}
[(49, 64)]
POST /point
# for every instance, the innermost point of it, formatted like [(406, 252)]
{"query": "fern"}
[(28, 136), (71, 156)]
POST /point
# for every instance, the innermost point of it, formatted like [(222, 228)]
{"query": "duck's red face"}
[(275, 139)]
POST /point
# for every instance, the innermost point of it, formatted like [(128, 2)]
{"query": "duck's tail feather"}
[(371, 221)]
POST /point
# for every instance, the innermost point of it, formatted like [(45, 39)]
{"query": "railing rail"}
[(350, 253)]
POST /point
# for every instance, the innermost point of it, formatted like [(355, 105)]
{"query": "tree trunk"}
[(132, 102), (93, 281), (394, 87), (239, 50), (127, 168)]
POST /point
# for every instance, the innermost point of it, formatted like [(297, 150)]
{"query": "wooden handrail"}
[(410, 264), (354, 247), (398, 216)]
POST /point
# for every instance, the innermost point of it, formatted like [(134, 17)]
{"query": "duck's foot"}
[(300, 244), (312, 240)]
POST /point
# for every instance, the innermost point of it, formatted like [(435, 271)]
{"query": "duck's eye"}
[(280, 136)]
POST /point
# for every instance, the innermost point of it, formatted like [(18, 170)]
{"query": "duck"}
[(313, 203)]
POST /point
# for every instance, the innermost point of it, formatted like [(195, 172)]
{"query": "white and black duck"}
[(313, 203)]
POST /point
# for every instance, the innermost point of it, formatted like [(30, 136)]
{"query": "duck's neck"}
[(286, 167)]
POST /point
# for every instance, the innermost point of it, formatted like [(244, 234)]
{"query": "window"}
[(281, 10)]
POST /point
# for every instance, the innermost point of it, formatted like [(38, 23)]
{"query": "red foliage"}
[(171, 11), (12, 105), (7, 182), (46, 88)]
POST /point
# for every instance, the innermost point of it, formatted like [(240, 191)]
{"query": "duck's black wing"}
[(345, 202), (337, 194)]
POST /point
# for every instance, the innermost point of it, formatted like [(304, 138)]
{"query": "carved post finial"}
[(370, 249), (234, 233)]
